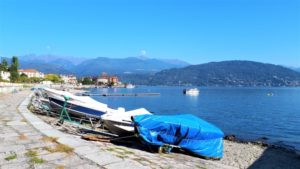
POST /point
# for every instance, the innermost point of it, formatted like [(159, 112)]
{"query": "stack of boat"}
[(185, 131), (117, 121)]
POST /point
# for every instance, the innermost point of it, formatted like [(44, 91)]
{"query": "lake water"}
[(248, 113)]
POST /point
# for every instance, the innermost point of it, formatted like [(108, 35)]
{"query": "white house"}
[(69, 79), (5, 75), (31, 73), (103, 79)]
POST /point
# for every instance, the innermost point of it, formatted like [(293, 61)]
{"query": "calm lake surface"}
[(248, 113)]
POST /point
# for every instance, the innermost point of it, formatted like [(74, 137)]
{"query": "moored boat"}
[(193, 91), (130, 86)]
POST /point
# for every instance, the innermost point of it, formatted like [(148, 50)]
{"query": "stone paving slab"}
[(127, 164), (103, 158)]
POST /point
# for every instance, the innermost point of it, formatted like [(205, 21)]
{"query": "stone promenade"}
[(22, 146)]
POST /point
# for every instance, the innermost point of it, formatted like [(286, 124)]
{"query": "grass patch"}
[(11, 157), (60, 167), (121, 156), (63, 148), (110, 149), (33, 157), (142, 159), (49, 149), (139, 159), (123, 150), (37, 160), (60, 148), (31, 153), (119, 148), (128, 152), (23, 137), (49, 139)]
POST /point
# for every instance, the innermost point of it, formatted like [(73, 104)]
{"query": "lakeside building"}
[(5, 75), (69, 79), (114, 80), (105, 79), (31, 73)]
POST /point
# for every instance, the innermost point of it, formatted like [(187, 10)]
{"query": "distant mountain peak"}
[(142, 57), (46, 58)]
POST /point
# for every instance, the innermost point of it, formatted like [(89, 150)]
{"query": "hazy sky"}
[(195, 31)]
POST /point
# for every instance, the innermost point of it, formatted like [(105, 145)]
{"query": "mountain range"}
[(296, 69), (93, 67), (228, 73), (149, 71)]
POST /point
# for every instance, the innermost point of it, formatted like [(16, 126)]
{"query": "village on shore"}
[(12, 73)]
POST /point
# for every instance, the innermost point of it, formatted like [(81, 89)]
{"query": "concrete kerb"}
[(80, 146)]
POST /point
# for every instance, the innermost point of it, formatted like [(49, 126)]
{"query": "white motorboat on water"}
[(193, 91), (130, 86), (120, 123)]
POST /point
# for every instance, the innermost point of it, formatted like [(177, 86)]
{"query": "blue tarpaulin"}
[(186, 131)]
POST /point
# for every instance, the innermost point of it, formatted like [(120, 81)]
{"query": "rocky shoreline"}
[(237, 154), (263, 143)]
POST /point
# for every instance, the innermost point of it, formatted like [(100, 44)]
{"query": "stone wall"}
[(10, 87)]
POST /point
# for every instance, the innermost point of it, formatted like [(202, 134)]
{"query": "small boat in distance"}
[(129, 86), (193, 91)]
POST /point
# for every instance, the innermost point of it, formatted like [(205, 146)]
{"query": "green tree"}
[(87, 81), (23, 78), (53, 78), (35, 80), (3, 65), (14, 74)]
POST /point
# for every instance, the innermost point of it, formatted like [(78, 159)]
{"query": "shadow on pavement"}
[(277, 158)]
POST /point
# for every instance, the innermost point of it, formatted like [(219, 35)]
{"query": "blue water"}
[(248, 113)]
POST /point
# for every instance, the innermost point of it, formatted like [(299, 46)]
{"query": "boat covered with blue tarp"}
[(185, 131)]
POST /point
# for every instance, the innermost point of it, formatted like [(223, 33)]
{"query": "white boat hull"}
[(120, 123)]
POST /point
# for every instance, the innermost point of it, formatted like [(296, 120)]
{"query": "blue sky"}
[(196, 31)]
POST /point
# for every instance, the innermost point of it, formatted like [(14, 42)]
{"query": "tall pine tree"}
[(14, 74)]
